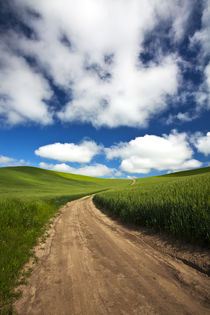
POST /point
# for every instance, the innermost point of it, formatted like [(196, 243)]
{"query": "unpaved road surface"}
[(90, 264)]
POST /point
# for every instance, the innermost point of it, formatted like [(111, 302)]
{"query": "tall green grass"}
[(22, 222), (178, 205)]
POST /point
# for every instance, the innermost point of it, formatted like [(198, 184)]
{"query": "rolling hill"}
[(31, 182)]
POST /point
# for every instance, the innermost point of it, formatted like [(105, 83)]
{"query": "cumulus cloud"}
[(8, 161), (70, 152), (168, 152), (95, 170), (23, 91), (172, 152), (202, 143), (131, 97), (90, 49)]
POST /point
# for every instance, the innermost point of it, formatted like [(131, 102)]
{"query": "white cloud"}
[(202, 143), (5, 160), (178, 12), (132, 96), (207, 77), (129, 177), (8, 161), (183, 117), (169, 152), (22, 91), (70, 152), (202, 37), (95, 170), (118, 173), (129, 93), (203, 93)]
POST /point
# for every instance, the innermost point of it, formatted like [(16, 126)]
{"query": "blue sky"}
[(105, 88)]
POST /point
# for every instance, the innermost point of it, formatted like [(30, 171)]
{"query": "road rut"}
[(92, 265)]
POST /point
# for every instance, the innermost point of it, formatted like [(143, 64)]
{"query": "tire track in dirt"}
[(93, 265)]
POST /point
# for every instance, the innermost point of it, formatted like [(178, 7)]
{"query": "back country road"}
[(90, 264)]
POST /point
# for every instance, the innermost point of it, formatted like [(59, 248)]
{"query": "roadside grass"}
[(29, 198), (177, 203), (22, 223)]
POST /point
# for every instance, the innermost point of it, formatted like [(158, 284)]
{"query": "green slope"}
[(189, 173), (31, 182)]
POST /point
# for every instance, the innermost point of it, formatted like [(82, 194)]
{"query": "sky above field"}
[(107, 88)]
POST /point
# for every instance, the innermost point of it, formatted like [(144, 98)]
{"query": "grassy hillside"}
[(177, 203), (197, 171), (31, 182), (29, 197)]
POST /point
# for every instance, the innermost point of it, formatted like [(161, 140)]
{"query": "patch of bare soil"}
[(91, 264)]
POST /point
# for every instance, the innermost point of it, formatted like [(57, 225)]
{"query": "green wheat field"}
[(177, 203)]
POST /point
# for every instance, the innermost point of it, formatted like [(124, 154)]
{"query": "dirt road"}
[(92, 265), (133, 181)]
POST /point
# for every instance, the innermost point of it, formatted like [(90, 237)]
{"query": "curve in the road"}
[(92, 265)]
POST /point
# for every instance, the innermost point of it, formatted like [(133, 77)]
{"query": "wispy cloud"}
[(182, 117), (8, 161)]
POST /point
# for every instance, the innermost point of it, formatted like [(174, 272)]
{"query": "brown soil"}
[(91, 264)]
